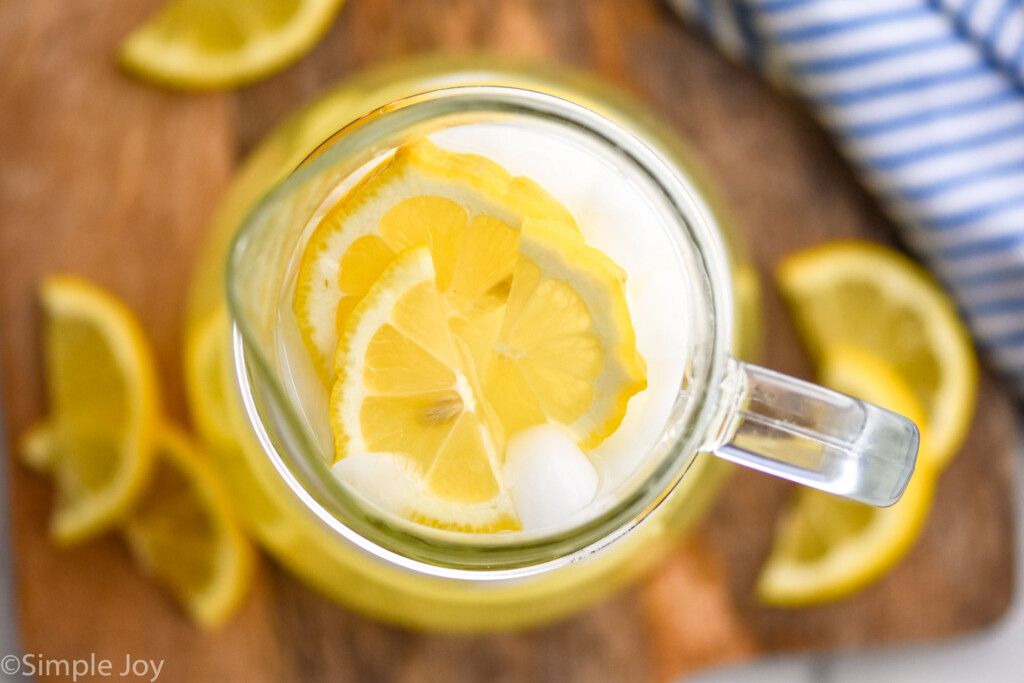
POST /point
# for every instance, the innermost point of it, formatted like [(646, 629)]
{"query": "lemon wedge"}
[(420, 195), (883, 331), (183, 532), (102, 387), (866, 296), (204, 44), (828, 547)]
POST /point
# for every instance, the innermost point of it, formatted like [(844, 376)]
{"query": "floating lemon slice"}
[(420, 195), (428, 395), (411, 433), (203, 44), (184, 533), (101, 381), (566, 350), (874, 299), (828, 547)]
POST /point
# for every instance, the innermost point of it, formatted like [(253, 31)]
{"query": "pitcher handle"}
[(814, 436)]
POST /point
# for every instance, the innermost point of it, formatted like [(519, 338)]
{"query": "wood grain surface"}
[(115, 180)]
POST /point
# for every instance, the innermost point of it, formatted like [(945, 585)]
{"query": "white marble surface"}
[(995, 655)]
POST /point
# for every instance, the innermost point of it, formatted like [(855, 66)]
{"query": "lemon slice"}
[(404, 397), (183, 532), (101, 381), (203, 44), (872, 298), (420, 195), (566, 351), (427, 396), (827, 547)]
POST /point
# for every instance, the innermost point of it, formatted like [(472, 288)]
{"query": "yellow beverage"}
[(391, 571)]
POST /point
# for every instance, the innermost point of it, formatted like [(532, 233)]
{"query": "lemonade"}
[(558, 483), (629, 397), (472, 347)]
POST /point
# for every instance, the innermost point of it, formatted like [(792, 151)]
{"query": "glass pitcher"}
[(242, 386)]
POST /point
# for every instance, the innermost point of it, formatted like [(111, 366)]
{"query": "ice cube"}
[(548, 476), (388, 481)]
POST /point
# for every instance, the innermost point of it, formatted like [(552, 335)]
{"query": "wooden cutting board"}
[(115, 180)]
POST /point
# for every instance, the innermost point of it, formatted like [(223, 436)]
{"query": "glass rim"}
[(468, 556)]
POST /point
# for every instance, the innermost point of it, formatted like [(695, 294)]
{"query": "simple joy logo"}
[(34, 664)]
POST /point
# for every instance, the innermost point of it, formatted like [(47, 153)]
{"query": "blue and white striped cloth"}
[(926, 99)]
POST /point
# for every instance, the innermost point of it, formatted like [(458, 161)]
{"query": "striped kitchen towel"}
[(926, 99)]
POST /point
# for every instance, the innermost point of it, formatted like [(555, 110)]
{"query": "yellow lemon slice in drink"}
[(873, 298), (566, 350), (183, 532), (404, 396), (827, 547), (420, 195), (102, 387), (429, 395), (203, 44)]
